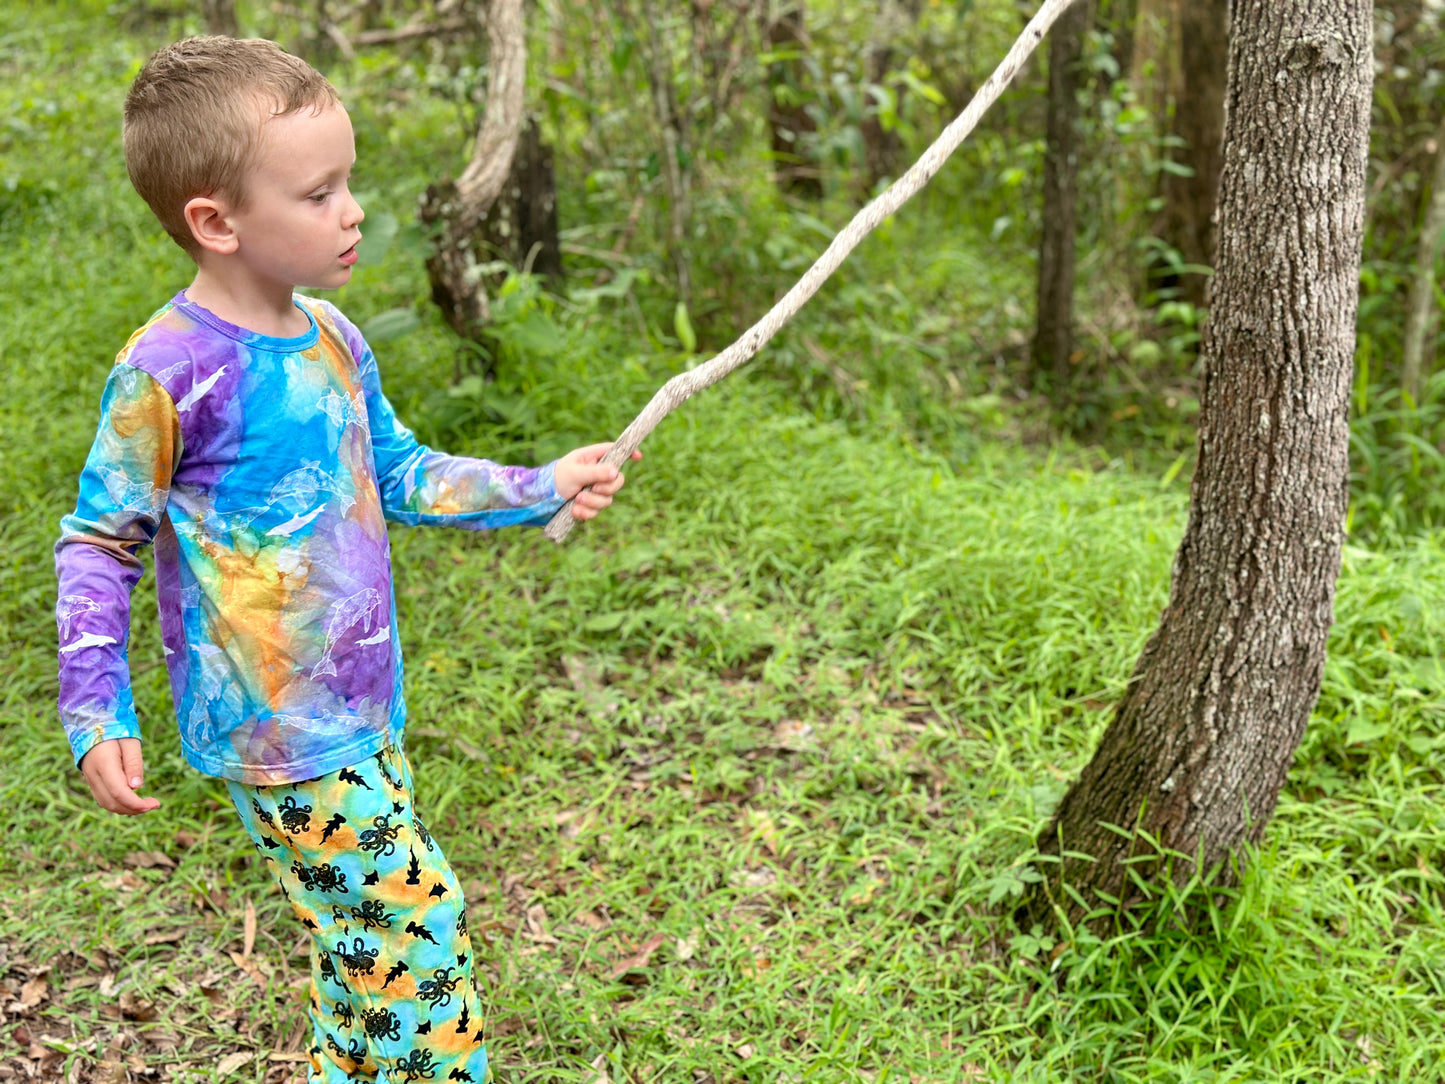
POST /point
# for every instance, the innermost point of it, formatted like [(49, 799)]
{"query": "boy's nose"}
[(355, 214)]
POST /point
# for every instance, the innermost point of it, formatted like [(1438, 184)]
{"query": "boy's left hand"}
[(583, 468)]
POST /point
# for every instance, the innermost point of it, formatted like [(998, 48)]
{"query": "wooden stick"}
[(685, 385)]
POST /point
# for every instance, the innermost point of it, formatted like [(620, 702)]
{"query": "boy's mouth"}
[(349, 257)]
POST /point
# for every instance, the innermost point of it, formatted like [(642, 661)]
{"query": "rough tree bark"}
[(456, 209), (1421, 314), (1054, 324), (1198, 748), (1187, 222)]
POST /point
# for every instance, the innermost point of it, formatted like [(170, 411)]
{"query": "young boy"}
[(244, 431)]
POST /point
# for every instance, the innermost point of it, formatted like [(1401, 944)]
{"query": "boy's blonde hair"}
[(194, 115)]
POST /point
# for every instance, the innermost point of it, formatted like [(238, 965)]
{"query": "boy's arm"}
[(420, 486), (123, 492)]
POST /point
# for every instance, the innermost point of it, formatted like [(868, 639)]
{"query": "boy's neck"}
[(269, 311)]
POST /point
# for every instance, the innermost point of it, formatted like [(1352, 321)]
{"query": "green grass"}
[(797, 706)]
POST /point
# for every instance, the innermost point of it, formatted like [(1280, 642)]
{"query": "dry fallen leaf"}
[(599, 1066), (111, 1069), (248, 929), (537, 926), (33, 992), (246, 964), (136, 1008), (686, 948), (793, 734), (149, 860), (641, 958), (231, 1062), (747, 1050), (592, 920)]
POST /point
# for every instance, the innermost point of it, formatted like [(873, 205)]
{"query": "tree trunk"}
[(1420, 317), (788, 120), (457, 208), (221, 18), (1118, 19), (676, 174), (521, 227), (1189, 197), (1054, 336), (1198, 748)]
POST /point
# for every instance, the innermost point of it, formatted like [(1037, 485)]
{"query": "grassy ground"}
[(739, 780)]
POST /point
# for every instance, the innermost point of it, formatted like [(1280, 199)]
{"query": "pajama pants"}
[(391, 964)]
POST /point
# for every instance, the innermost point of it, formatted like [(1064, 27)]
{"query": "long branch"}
[(685, 385)]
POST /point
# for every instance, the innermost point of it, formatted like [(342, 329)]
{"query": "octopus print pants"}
[(391, 968)]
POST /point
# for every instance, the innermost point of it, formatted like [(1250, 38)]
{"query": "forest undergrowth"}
[(741, 780)]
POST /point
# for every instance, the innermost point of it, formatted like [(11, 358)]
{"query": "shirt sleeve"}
[(423, 487), (124, 488)]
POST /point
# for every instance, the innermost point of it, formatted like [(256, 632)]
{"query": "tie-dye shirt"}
[(262, 469)]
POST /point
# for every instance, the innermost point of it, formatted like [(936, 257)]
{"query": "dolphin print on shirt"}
[(295, 523), (87, 639), (299, 489), (380, 636), (127, 494), (342, 410), (198, 391), (358, 609)]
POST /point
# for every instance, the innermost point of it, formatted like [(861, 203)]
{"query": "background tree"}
[(1423, 311), (1198, 748), (457, 209), (789, 123), (1053, 343), (221, 18), (1191, 178)]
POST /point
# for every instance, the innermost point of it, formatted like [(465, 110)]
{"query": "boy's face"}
[(298, 226)]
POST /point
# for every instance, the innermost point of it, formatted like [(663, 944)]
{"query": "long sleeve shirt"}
[(263, 470)]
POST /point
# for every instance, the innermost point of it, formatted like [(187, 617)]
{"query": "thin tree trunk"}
[(1422, 314), (457, 208), (676, 177), (1199, 746), (789, 124), (521, 226), (221, 18), (880, 146), (1188, 220), (1119, 19), (1054, 335)]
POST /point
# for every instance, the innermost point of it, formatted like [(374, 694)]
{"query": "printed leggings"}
[(391, 966)]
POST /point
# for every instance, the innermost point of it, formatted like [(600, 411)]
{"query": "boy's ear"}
[(209, 220)]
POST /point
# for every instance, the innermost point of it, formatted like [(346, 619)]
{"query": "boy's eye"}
[(318, 197)]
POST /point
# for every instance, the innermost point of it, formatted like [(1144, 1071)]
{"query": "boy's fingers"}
[(131, 762), (593, 500), (112, 792), (609, 486), (108, 769), (591, 453)]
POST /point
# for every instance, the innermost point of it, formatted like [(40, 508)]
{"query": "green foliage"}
[(799, 703), (1397, 462)]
